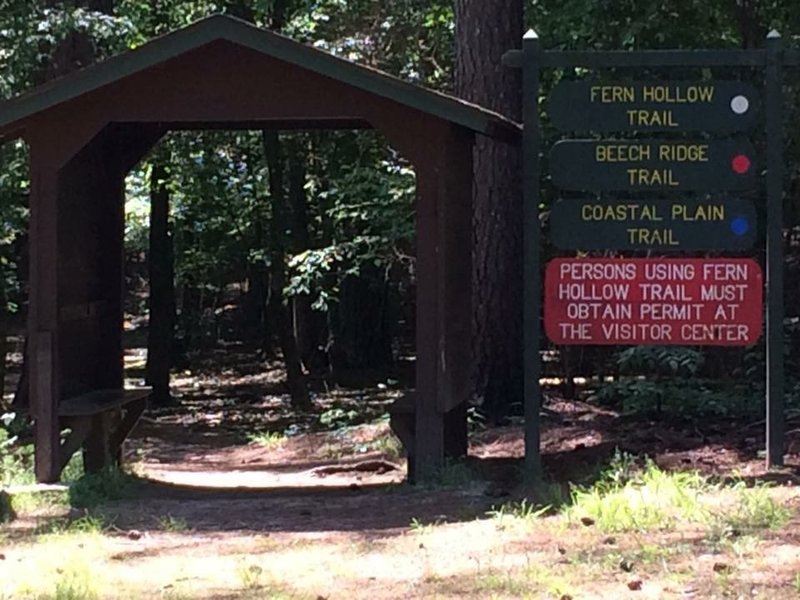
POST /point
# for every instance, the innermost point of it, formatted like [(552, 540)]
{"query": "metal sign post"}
[(532, 285), (774, 127)]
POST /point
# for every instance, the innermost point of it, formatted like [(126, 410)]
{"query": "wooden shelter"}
[(88, 129)]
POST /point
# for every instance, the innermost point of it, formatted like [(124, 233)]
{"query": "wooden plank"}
[(99, 401)]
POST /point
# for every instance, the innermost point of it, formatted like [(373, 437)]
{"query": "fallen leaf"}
[(720, 567), (635, 585), (587, 521)]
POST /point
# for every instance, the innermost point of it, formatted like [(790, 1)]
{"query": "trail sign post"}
[(685, 188)]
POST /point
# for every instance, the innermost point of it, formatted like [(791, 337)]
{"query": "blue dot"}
[(740, 226)]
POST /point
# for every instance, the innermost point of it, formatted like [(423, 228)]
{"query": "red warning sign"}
[(638, 301)]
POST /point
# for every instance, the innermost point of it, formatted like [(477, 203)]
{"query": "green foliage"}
[(454, 474), (665, 360), (85, 524), (250, 575), (268, 439), (669, 380), (523, 510), (628, 498), (690, 398), (755, 509), (655, 500), (338, 418), (74, 582), (15, 459), (96, 488), (173, 524)]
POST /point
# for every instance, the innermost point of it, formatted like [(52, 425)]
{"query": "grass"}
[(267, 439), (670, 530), (87, 524), (651, 499), (387, 444), (250, 575), (74, 583), (96, 488), (529, 582), (421, 527), (523, 509), (173, 524)]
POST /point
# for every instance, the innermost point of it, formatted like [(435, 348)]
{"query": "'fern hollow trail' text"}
[(642, 116)]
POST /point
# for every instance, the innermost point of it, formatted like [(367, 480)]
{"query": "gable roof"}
[(222, 27)]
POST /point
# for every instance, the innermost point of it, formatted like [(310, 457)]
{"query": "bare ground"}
[(325, 514)]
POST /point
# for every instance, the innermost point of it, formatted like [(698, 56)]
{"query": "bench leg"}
[(97, 451), (79, 430), (133, 412)]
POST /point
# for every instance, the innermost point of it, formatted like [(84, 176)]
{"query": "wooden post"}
[(444, 269), (429, 421), (43, 315)]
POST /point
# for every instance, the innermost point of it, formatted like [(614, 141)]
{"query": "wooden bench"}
[(402, 422), (99, 421)]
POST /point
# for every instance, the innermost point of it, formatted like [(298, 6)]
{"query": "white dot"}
[(740, 104)]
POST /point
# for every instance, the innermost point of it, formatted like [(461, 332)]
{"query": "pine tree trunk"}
[(161, 329), (484, 31)]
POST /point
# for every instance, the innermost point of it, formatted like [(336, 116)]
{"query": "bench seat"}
[(99, 421), (99, 401)]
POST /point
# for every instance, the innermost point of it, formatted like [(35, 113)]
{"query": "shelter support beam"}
[(444, 268), (43, 316)]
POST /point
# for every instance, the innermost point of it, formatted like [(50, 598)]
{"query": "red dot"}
[(740, 164)]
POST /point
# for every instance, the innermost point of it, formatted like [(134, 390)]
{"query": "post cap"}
[(773, 35), (530, 35)]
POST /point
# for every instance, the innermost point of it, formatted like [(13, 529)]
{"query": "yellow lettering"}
[(683, 152)]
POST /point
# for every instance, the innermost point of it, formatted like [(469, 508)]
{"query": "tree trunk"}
[(361, 327), (295, 379), (308, 325), (484, 31), (161, 329)]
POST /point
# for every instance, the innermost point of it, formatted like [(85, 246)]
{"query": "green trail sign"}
[(650, 165), (719, 106), (661, 203), (660, 225)]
